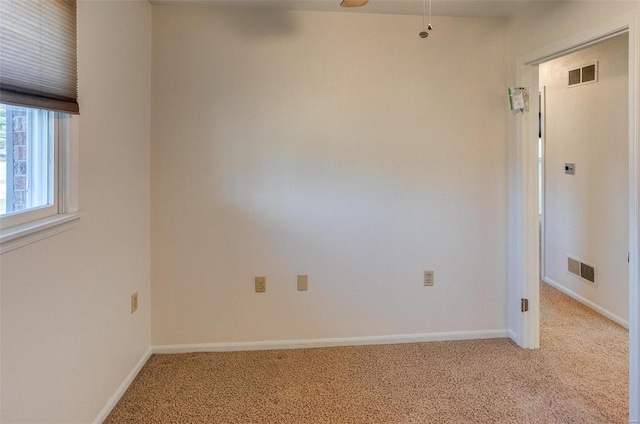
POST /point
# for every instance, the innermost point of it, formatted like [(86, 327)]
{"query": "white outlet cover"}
[(429, 277)]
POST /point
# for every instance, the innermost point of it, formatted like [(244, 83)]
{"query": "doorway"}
[(583, 176), (583, 168), (524, 237)]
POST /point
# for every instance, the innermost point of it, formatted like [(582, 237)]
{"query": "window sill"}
[(21, 235)]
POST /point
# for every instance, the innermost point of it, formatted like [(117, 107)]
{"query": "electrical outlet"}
[(134, 302), (429, 277), (261, 284), (302, 282)]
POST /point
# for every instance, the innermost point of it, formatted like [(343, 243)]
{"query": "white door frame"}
[(524, 234), (542, 178)]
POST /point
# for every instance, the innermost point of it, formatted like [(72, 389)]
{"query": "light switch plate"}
[(302, 282), (570, 168), (134, 302)]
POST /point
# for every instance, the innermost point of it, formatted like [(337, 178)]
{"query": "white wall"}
[(68, 338), (587, 213), (341, 146)]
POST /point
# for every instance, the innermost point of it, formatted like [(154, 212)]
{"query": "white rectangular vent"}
[(583, 75), (583, 270), (574, 266)]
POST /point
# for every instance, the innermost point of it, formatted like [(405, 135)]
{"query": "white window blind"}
[(38, 57)]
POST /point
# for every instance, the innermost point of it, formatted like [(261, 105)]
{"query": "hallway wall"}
[(586, 214)]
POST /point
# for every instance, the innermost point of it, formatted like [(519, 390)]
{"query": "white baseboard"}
[(345, 341), (123, 388), (512, 335), (588, 303)]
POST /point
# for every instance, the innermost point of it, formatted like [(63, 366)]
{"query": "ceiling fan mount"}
[(353, 3), (425, 28)]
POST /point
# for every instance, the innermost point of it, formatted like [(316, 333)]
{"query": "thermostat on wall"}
[(570, 168)]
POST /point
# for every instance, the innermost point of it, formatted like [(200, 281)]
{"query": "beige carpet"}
[(578, 376)]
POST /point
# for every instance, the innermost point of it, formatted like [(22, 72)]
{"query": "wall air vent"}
[(589, 73), (583, 75), (574, 266), (574, 77), (588, 272), (583, 270)]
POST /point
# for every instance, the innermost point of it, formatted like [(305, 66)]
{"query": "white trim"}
[(123, 388), (14, 237), (542, 190), (588, 303), (524, 228), (634, 217), (579, 41), (22, 235), (70, 175), (343, 341)]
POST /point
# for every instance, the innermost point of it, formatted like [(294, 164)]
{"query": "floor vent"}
[(585, 271)]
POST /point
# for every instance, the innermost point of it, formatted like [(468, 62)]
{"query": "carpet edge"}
[(586, 302), (329, 342)]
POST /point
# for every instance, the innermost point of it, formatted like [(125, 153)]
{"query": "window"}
[(38, 91), (34, 170), (27, 161)]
